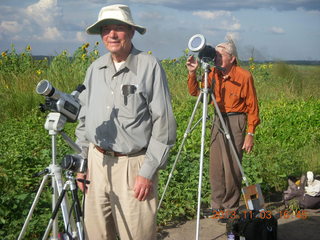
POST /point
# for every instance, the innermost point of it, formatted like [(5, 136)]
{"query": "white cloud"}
[(311, 12), (50, 33), (219, 20), (45, 12), (81, 36), (212, 14), (232, 35), (233, 5), (230, 24), (314, 12), (10, 27), (277, 30), (151, 16)]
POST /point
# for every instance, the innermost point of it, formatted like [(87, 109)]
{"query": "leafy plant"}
[(286, 142)]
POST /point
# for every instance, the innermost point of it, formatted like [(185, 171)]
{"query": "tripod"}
[(72, 185), (204, 96), (54, 124)]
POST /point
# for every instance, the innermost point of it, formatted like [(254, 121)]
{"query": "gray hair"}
[(229, 47)]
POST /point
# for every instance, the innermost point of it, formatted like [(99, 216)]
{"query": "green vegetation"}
[(287, 140)]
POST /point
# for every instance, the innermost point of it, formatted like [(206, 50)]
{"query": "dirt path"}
[(290, 227)]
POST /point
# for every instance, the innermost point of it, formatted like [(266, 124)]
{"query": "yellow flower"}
[(149, 52), (83, 56), (28, 48), (263, 66), (85, 46), (96, 52), (252, 67), (39, 71), (3, 54)]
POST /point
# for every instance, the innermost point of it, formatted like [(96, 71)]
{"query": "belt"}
[(109, 153), (228, 114)]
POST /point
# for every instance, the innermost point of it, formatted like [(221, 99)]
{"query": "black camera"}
[(197, 43), (74, 163)]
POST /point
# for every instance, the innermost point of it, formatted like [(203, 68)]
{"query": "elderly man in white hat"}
[(235, 94), (126, 128)]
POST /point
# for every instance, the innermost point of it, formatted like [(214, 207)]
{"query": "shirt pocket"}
[(132, 101), (232, 97)]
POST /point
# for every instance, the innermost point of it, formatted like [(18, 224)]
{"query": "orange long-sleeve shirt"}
[(235, 93)]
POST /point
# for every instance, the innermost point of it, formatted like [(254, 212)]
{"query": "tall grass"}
[(20, 73)]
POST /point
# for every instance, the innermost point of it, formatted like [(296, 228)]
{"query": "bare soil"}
[(290, 226)]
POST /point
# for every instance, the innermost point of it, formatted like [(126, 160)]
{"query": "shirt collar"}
[(228, 76), (131, 61), (232, 72)]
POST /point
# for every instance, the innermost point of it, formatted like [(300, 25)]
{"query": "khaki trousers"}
[(110, 206), (225, 175)]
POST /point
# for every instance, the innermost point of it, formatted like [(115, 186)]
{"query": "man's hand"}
[(81, 181), (192, 64), (248, 143), (142, 188)]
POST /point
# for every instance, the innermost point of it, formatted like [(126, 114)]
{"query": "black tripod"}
[(72, 185)]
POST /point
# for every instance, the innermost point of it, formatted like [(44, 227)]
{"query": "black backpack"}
[(253, 225)]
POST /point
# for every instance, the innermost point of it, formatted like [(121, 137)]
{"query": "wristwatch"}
[(251, 134)]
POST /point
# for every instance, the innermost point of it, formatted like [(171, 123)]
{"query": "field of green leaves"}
[(287, 141)]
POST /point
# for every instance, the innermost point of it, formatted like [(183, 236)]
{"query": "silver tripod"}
[(54, 124), (204, 97), (197, 43)]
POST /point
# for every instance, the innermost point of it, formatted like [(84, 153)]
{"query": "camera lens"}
[(208, 53), (74, 163), (67, 162), (45, 88)]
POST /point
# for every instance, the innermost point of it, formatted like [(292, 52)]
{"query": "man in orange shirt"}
[(235, 94)]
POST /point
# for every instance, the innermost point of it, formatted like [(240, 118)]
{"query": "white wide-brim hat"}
[(114, 14)]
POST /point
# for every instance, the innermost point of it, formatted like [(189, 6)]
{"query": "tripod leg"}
[(180, 148), (77, 210), (64, 204), (203, 135), (54, 214), (227, 134), (35, 201)]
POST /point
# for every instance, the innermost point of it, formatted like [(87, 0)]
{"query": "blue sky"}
[(264, 29)]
